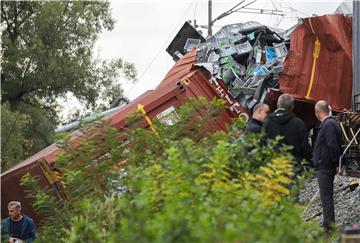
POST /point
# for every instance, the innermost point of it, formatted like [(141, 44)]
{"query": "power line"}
[(296, 10), (161, 49), (259, 13)]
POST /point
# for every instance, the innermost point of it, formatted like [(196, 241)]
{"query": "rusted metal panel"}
[(154, 102), (12, 190), (202, 84), (172, 93), (201, 77), (303, 109), (330, 65), (47, 153), (180, 69), (356, 56)]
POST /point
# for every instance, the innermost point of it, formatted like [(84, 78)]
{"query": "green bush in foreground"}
[(183, 184)]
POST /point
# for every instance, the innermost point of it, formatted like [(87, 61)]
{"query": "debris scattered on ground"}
[(347, 200)]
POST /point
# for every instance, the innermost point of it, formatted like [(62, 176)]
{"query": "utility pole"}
[(210, 23)]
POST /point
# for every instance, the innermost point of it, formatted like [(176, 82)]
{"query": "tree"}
[(18, 145), (47, 53)]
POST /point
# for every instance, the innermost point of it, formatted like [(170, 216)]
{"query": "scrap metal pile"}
[(248, 57)]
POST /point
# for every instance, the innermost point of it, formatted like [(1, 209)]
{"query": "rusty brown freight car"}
[(319, 63), (180, 84)]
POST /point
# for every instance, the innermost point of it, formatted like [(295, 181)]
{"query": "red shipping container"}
[(319, 63), (181, 83)]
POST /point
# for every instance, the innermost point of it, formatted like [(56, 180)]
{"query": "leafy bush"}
[(25, 131), (183, 183), (14, 144)]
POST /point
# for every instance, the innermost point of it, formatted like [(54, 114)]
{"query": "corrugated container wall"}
[(180, 84), (356, 53), (319, 63)]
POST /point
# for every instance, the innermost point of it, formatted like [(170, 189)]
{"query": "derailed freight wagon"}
[(180, 84), (243, 64)]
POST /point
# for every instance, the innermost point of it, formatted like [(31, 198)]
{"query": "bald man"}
[(260, 113), (326, 155)]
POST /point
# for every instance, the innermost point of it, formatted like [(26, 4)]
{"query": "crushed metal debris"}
[(248, 57)]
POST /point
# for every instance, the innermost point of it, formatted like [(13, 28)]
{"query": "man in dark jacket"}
[(260, 113), (327, 151), (18, 227), (284, 123)]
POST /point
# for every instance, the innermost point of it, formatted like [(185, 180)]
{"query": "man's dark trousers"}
[(325, 180)]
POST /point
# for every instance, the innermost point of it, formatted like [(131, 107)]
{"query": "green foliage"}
[(46, 203), (271, 180), (88, 167), (41, 129), (183, 183), (23, 133), (47, 51), (15, 148), (47, 54)]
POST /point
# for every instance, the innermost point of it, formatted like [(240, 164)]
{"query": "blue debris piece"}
[(259, 70), (270, 54)]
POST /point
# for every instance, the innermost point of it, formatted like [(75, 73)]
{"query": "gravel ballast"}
[(347, 202)]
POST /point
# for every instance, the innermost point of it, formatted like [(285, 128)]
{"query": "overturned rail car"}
[(190, 79), (181, 83)]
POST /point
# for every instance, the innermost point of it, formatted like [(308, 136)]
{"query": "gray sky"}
[(145, 28)]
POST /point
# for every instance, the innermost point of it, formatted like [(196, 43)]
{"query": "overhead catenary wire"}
[(297, 11), (251, 12), (281, 10), (267, 2), (160, 49), (278, 11), (230, 11)]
